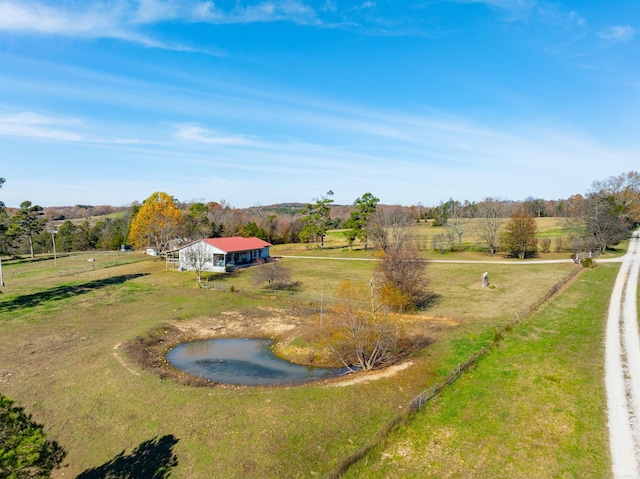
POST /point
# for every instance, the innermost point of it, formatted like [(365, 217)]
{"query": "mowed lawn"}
[(533, 408), (58, 359)]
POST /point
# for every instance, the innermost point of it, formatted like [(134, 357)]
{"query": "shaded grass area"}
[(58, 293), (63, 366), (534, 408), (23, 272), (153, 459)]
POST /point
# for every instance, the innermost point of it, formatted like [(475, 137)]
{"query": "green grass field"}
[(556, 229), (61, 361), (533, 408)]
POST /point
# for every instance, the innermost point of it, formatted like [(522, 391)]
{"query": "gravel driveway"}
[(622, 367)]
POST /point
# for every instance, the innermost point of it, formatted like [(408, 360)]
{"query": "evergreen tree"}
[(317, 218), (364, 208), (25, 452), (26, 222)]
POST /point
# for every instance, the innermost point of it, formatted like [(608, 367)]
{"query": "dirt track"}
[(622, 367)]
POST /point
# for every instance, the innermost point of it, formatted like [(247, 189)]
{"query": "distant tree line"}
[(599, 219)]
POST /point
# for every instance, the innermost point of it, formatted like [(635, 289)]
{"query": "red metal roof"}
[(236, 243)]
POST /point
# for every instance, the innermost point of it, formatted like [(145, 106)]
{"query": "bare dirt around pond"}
[(283, 326)]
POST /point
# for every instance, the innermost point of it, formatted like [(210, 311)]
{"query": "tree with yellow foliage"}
[(158, 221)]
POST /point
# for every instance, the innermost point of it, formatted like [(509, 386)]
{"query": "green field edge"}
[(392, 434)]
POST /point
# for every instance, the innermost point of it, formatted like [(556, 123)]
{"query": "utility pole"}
[(373, 304), (53, 239), (321, 295)]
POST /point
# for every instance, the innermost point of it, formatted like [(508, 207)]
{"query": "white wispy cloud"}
[(367, 4), (134, 20), (389, 152), (194, 132), (126, 19), (115, 20), (37, 126), (329, 6), (618, 33), (512, 9), (271, 11), (545, 12)]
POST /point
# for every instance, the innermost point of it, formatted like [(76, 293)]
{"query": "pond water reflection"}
[(248, 362)]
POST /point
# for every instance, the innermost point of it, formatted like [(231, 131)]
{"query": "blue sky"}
[(268, 101)]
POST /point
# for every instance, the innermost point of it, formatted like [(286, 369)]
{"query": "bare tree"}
[(275, 274), (400, 277), (457, 221), (389, 226), (545, 244), (442, 242), (623, 191), (362, 340), (226, 218), (603, 221), (365, 339), (491, 213), (535, 206), (359, 339), (197, 257)]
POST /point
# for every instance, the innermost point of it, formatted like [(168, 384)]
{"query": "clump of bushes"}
[(588, 263)]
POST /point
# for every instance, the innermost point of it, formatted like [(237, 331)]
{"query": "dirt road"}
[(622, 367)]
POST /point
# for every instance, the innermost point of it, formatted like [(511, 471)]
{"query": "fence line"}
[(425, 396), (432, 391), (316, 300), (113, 260)]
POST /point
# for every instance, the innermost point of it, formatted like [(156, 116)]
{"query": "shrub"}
[(401, 277), (25, 451), (545, 244), (588, 263)]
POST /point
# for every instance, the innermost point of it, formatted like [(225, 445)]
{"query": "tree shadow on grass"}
[(62, 292), (152, 459), (432, 300)]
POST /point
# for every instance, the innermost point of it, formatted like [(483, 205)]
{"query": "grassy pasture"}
[(534, 408), (59, 359), (423, 233)]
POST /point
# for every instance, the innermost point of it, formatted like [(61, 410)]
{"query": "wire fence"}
[(315, 301), (551, 292), (425, 396), (422, 398), (66, 264)]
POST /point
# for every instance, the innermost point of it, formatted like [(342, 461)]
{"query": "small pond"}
[(248, 362)]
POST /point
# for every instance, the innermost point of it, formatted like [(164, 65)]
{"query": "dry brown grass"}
[(57, 360), (423, 234)]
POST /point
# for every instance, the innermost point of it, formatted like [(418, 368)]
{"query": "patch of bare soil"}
[(281, 325), (149, 351), (373, 375)]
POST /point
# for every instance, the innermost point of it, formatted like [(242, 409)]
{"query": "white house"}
[(220, 255)]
